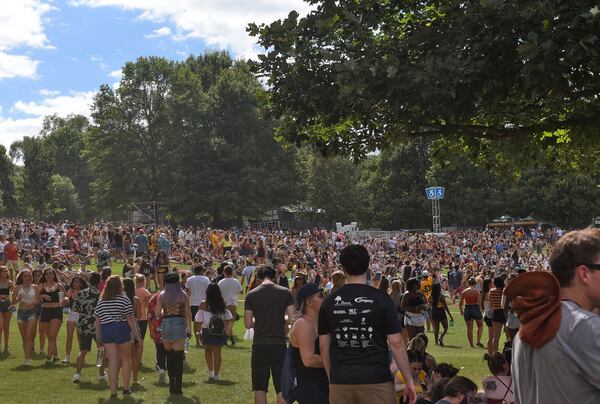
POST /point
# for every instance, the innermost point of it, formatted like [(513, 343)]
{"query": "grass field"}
[(52, 383)]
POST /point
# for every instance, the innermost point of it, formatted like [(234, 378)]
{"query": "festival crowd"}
[(332, 317)]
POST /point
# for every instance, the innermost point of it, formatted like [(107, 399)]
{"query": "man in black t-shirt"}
[(264, 310), (358, 325)]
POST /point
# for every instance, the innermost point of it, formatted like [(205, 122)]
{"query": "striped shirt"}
[(496, 298), (114, 310)]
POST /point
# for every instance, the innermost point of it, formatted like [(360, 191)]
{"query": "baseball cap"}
[(306, 291), (425, 273)]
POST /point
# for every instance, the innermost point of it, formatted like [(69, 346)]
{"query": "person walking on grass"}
[(358, 326), (215, 320), (154, 323), (27, 297), (6, 288), (114, 327), (196, 286), (52, 297), (85, 303), (265, 309), (470, 303), (439, 308), (76, 285), (144, 296), (231, 288), (313, 385), (174, 307)]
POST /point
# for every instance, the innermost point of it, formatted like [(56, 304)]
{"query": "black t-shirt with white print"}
[(359, 318)]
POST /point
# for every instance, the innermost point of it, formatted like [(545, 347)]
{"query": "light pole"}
[(434, 194)]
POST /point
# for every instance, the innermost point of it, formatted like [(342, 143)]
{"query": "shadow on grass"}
[(450, 346), (146, 369), (23, 368), (221, 382), (120, 399), (93, 386), (176, 399)]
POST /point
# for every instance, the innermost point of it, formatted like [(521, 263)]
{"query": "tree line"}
[(199, 136)]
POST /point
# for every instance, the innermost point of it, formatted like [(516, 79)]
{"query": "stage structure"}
[(435, 194)]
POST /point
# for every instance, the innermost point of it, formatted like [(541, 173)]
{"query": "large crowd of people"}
[(346, 316)]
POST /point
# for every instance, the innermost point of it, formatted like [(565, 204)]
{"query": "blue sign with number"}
[(435, 192)]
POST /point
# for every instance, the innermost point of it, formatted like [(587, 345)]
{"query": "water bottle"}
[(61, 297), (186, 346), (100, 356)]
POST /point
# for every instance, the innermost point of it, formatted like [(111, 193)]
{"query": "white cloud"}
[(77, 102), (48, 93), (220, 23), (12, 130), (21, 25), (17, 66), (62, 105), (116, 74), (164, 31)]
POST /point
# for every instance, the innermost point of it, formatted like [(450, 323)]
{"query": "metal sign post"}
[(435, 194)]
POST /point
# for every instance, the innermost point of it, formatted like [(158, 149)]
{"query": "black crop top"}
[(53, 295)]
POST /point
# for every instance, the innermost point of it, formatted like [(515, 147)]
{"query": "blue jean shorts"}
[(115, 333), (25, 315), (472, 312), (173, 328)]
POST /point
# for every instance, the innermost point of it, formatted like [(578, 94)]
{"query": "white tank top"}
[(27, 296)]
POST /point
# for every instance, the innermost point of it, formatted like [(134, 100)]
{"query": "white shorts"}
[(73, 316)]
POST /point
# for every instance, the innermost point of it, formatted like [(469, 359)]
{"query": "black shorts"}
[(194, 310), (85, 342), (499, 316), (143, 324), (267, 358), (51, 313), (487, 320), (438, 313)]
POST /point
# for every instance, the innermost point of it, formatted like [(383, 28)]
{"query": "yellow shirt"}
[(401, 381), (426, 287)]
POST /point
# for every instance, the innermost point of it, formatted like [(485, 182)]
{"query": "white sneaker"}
[(211, 375), (67, 359), (216, 377), (161, 376), (76, 378), (27, 363), (103, 378)]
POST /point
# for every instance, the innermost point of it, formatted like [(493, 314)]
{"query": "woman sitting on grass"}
[(499, 388)]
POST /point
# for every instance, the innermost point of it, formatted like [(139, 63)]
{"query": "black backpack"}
[(216, 325)]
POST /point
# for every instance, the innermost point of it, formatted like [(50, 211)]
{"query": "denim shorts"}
[(173, 328), (26, 315), (472, 312), (115, 333)]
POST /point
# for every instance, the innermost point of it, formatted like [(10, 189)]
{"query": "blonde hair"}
[(139, 279)]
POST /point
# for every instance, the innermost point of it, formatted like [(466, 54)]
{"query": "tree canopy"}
[(496, 79)]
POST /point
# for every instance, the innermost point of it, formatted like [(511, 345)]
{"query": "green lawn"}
[(52, 384)]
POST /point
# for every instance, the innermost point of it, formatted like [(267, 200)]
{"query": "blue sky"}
[(54, 54)]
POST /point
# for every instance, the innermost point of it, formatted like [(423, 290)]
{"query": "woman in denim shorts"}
[(173, 306), (115, 326), (27, 296)]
